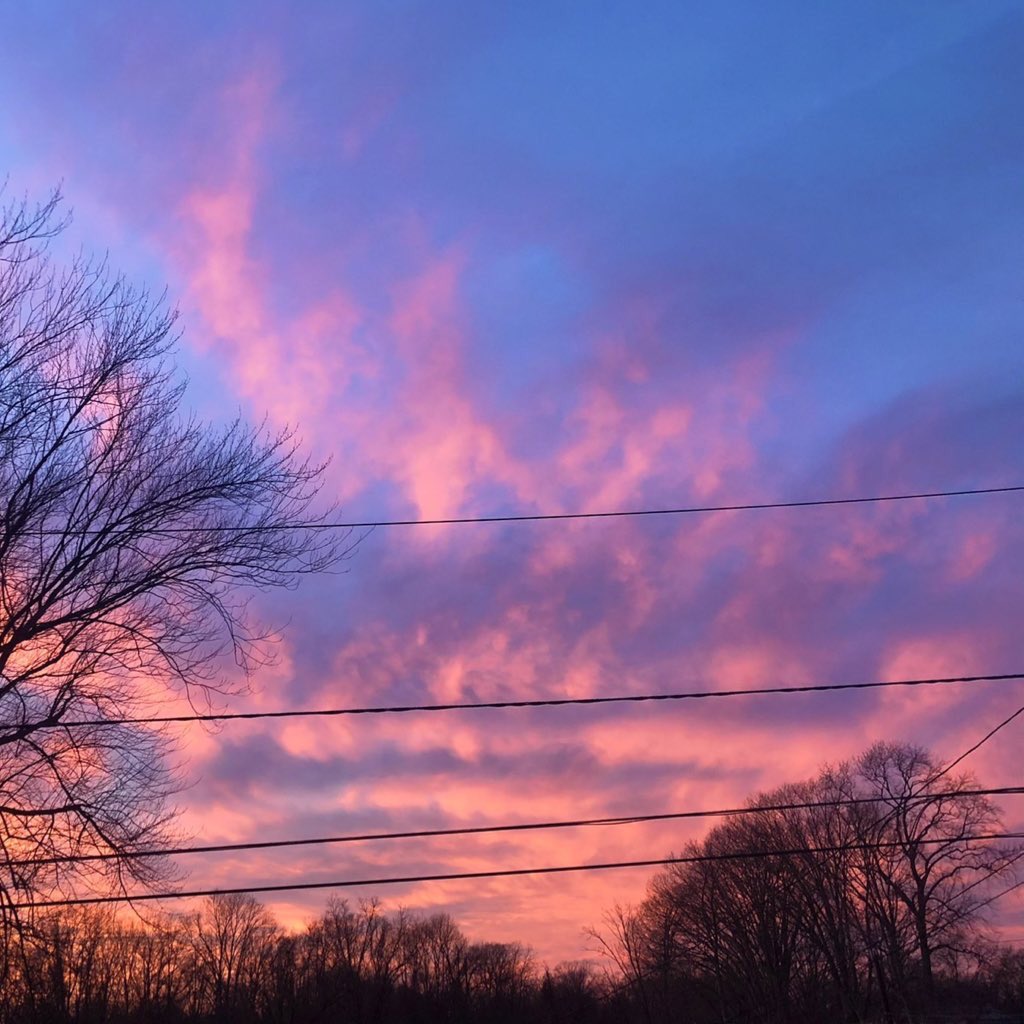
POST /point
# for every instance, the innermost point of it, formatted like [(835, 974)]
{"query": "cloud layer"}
[(493, 263)]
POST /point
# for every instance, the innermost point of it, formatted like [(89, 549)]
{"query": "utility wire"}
[(952, 764), (490, 829), (999, 895), (967, 753), (234, 716), (932, 779), (555, 516), (505, 873), (984, 739)]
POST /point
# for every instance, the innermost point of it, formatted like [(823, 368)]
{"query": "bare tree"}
[(625, 942), (233, 940), (132, 537), (569, 993), (930, 884), (851, 895), (437, 959), (354, 958), (503, 978)]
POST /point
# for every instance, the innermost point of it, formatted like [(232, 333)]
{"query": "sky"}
[(550, 257)]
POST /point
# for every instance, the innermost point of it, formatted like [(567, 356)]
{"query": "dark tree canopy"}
[(132, 536), (877, 927)]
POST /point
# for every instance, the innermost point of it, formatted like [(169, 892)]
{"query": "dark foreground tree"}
[(131, 537)]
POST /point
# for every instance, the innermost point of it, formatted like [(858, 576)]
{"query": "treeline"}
[(231, 963), (859, 896)]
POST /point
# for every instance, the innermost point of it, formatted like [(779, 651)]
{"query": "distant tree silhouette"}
[(229, 962), (874, 928), (232, 945), (131, 535)]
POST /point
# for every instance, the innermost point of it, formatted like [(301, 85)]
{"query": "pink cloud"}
[(387, 385), (974, 555)]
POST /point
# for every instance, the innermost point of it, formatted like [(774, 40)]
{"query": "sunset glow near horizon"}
[(535, 258)]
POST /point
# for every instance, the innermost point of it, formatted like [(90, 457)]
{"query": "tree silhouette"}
[(132, 536), (848, 911)]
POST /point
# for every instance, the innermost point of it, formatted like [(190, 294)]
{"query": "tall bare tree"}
[(132, 536), (933, 880), (848, 896)]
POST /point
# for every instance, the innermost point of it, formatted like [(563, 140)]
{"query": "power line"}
[(932, 779), (505, 873), (999, 895), (498, 704), (952, 764), (984, 739), (970, 750), (556, 516), (490, 829)]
